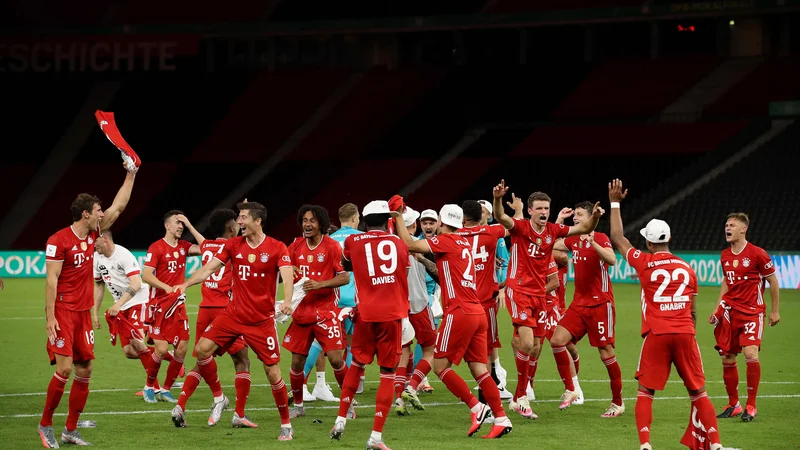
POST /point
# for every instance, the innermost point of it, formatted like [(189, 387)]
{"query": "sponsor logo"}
[(264, 257), (346, 400), (60, 342), (727, 263), (286, 258), (84, 246), (320, 257), (74, 248), (251, 258), (274, 355), (746, 262), (768, 265), (148, 257), (207, 328), (378, 414), (637, 253), (645, 429), (51, 250), (603, 338), (752, 338), (239, 256)]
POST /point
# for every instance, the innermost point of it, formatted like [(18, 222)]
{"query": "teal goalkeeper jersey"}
[(502, 256), (348, 291)]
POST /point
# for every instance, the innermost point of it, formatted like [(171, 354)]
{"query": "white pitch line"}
[(360, 406), (97, 391)]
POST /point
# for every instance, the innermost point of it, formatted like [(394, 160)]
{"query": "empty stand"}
[(773, 80)]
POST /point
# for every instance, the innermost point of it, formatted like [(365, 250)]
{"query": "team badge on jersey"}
[(287, 339), (157, 330), (321, 257), (746, 262), (251, 258), (90, 240), (83, 246), (549, 240), (310, 258), (588, 244), (175, 254), (60, 342), (264, 257), (735, 263), (523, 316), (183, 252)]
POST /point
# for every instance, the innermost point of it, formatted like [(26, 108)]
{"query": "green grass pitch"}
[(125, 421)]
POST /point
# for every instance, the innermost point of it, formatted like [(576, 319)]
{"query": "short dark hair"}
[(376, 220), (320, 213), (347, 212), (257, 210), (740, 216), (84, 202), (108, 234), (170, 213), (538, 196), (219, 219), (587, 206), (333, 229), (473, 211)]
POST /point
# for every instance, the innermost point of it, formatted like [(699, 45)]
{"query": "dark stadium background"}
[(692, 104)]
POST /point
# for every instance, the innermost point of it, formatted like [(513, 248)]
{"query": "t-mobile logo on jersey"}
[(79, 259), (244, 272), (172, 266), (533, 249), (729, 275)]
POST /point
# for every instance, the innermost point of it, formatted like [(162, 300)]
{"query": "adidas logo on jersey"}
[(239, 256), (74, 248)]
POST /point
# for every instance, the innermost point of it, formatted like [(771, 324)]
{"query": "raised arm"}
[(53, 269), (587, 227), (518, 207), (616, 194), (498, 211), (120, 202), (606, 254), (420, 246), (194, 249), (564, 214)]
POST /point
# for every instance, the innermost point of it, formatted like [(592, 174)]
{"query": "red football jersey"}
[(380, 269), (456, 273), (216, 289), (169, 263), (560, 294), (483, 241), (745, 275), (668, 288), (75, 290), (255, 276), (552, 268), (320, 263), (530, 255), (592, 283)]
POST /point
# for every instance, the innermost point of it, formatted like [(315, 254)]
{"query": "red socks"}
[(399, 382), (242, 385), (521, 361), (55, 390), (730, 374), (532, 371), (615, 377), (706, 415), (383, 401), (349, 387), (458, 387), (562, 362), (281, 401), (577, 361), (422, 370), (296, 380), (753, 377), (208, 369), (79, 393), (173, 370), (189, 386), (340, 374), (491, 394), (644, 415), (153, 366)]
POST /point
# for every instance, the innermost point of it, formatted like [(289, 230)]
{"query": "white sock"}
[(340, 419), (286, 425), (496, 362), (219, 399), (476, 408), (298, 405), (575, 382), (320, 379), (376, 435)]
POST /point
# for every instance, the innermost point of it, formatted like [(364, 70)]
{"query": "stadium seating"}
[(764, 185), (773, 80)]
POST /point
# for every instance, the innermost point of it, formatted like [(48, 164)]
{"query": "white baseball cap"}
[(410, 216), (488, 205), (656, 231), (376, 207), (452, 215), (428, 214)]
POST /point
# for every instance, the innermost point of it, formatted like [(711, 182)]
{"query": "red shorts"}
[(424, 328), (596, 321), (548, 320), (131, 324), (75, 339), (493, 338), (524, 309), (659, 352), (328, 333), (206, 315), (226, 331), (462, 336), (172, 329), (746, 329), (383, 339)]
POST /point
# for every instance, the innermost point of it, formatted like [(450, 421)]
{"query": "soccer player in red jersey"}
[(463, 331), (531, 248), (379, 262), (592, 309), (256, 261), (164, 267), (69, 300), (216, 291), (669, 288), (747, 269), (319, 258)]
